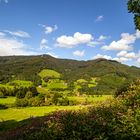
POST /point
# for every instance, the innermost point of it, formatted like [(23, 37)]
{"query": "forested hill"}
[(108, 73)]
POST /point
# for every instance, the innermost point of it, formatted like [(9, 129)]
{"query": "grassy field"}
[(49, 73), (27, 112), (15, 117), (8, 100), (19, 114)]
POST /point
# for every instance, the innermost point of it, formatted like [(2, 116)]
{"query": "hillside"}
[(109, 74)]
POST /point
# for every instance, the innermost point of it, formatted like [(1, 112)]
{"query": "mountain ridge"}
[(110, 74)]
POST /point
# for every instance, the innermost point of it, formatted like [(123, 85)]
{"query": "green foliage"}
[(109, 120), (131, 95), (21, 83), (47, 73), (28, 68), (22, 91), (21, 102), (134, 7), (56, 85), (7, 90), (104, 122), (1, 95), (36, 101), (28, 95)]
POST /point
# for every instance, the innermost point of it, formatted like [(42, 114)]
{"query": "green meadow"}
[(22, 113)]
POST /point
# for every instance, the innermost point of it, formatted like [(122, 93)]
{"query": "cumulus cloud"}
[(121, 59), (98, 41), (102, 56), (99, 18), (71, 41), (19, 33), (79, 53), (10, 46), (125, 54), (125, 43)]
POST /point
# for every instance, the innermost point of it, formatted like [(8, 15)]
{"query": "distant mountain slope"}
[(109, 74)]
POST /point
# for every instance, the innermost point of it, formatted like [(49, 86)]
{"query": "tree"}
[(134, 7)]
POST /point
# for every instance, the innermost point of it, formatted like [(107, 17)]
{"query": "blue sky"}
[(75, 29)]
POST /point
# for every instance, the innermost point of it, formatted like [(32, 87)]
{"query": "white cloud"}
[(137, 34), (18, 33), (79, 53), (52, 54), (130, 55), (93, 43), (71, 41), (102, 56), (10, 46), (121, 59), (98, 41), (102, 37), (2, 34), (49, 29), (125, 43), (44, 44), (138, 60), (138, 57), (99, 18)]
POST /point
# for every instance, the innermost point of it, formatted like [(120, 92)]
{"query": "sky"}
[(72, 29)]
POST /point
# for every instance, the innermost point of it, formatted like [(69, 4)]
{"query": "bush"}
[(35, 101), (63, 101), (73, 102), (21, 93), (29, 95), (21, 102), (1, 95), (41, 97), (100, 123)]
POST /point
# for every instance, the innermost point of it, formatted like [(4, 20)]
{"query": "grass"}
[(21, 83), (8, 100), (92, 99), (19, 114), (56, 84), (49, 73), (27, 112)]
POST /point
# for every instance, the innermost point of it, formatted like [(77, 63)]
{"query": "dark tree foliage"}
[(134, 7)]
